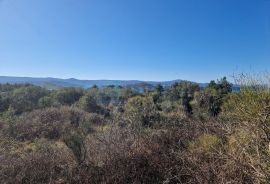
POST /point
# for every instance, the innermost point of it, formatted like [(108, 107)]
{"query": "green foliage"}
[(239, 142), (4, 103), (205, 143), (75, 142), (214, 95), (167, 106), (250, 109), (159, 89), (141, 110), (47, 101), (185, 100), (68, 96), (222, 86), (249, 105), (89, 104), (184, 92), (26, 98), (11, 87), (182, 89), (247, 114)]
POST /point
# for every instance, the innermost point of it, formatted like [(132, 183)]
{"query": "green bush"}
[(26, 98), (205, 143), (141, 111)]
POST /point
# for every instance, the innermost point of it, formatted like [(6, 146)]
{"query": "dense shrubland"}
[(179, 134)]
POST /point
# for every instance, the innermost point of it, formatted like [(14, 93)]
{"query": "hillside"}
[(72, 82)]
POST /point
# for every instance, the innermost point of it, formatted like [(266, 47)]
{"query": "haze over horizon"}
[(152, 40)]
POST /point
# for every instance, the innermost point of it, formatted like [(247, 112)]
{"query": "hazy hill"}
[(54, 83)]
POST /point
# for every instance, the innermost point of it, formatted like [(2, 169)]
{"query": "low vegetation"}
[(177, 134)]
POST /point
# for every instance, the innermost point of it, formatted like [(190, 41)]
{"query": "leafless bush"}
[(43, 162), (125, 155), (53, 123)]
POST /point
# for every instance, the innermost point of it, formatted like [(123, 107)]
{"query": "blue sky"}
[(195, 40)]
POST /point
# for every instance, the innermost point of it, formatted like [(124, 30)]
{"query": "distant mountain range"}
[(54, 83)]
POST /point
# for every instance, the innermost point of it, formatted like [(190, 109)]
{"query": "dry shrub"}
[(153, 147), (218, 167), (68, 124), (44, 162), (132, 155), (126, 155), (4, 129), (54, 123), (247, 114)]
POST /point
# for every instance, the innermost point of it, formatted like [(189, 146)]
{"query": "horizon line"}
[(68, 78)]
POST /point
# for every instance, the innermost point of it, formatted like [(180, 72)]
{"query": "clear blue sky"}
[(195, 40)]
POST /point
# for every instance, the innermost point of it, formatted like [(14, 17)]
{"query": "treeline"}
[(180, 134)]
